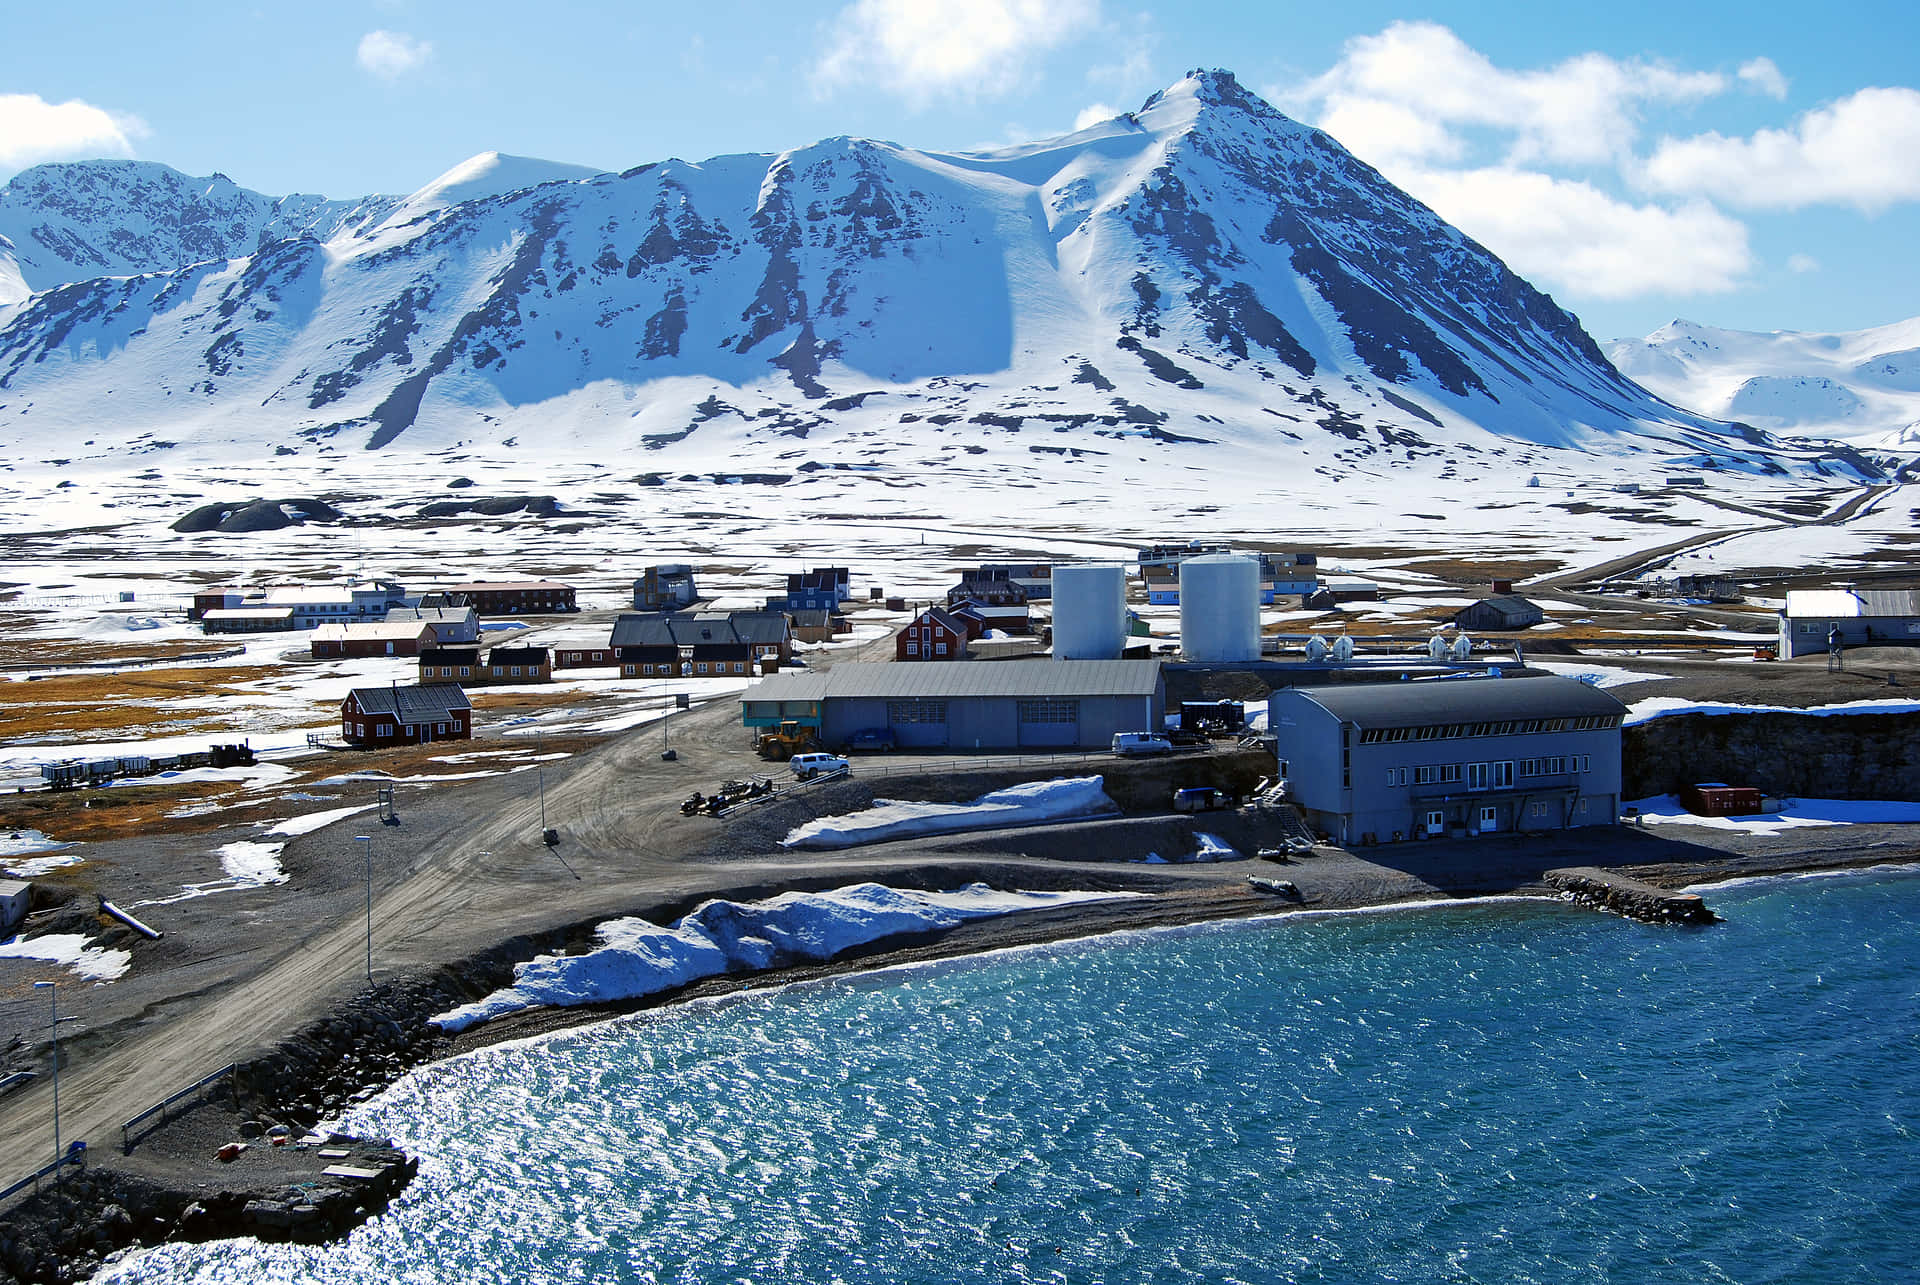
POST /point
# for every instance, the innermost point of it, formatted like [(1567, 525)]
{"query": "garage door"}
[(1047, 724), (918, 724)]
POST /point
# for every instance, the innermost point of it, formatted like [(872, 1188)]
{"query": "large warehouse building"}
[(999, 705), (1388, 761)]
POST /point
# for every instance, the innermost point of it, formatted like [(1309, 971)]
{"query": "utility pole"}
[(366, 841)]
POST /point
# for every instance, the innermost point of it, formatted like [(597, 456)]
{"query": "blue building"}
[(1381, 762)]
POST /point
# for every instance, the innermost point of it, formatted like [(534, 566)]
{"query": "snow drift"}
[(636, 958), (1029, 804)]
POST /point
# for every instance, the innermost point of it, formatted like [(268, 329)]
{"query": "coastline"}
[(369, 1043)]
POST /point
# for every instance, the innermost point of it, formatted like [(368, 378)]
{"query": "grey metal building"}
[(1002, 705), (1388, 761), (1863, 617)]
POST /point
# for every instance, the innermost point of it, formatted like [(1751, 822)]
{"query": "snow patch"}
[(1030, 804), (252, 864), (637, 958), (94, 963), (1665, 809), (293, 827)]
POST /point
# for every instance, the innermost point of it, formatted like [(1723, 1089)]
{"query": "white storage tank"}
[(1089, 612), (1220, 607)]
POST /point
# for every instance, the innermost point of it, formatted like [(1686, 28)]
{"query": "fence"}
[(76, 1155), (145, 662), (164, 1105)]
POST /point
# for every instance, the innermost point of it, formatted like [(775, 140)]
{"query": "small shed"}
[(1502, 611), (1712, 799), (15, 897)]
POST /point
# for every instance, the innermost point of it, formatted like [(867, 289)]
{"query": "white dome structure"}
[(1089, 612), (1317, 649), (1220, 607), (1437, 648), (1343, 649), (1463, 648)]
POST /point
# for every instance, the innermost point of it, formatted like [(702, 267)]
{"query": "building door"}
[(918, 724), (1489, 819), (1047, 724), (1436, 822)]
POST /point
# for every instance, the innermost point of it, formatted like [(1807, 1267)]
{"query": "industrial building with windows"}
[(1815, 619), (1380, 762), (1007, 705)]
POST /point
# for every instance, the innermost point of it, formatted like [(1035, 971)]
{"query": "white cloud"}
[(1863, 151), (1802, 263), (923, 49), (1761, 76), (1584, 110), (392, 54), (1093, 114), (33, 130), (1570, 234)]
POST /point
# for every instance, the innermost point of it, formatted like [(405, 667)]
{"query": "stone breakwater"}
[(1621, 895), (66, 1230)]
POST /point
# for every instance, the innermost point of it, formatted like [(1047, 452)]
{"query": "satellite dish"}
[(1463, 648), (1437, 648), (1343, 649)]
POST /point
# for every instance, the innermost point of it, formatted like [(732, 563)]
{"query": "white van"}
[(1141, 743), (808, 766)]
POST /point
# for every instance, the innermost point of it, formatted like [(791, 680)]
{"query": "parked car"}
[(873, 738), (808, 766), (1199, 798), (1141, 743)]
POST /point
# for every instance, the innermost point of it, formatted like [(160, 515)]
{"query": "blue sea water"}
[(1496, 1092)]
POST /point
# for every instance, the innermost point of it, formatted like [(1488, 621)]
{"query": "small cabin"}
[(1502, 611)]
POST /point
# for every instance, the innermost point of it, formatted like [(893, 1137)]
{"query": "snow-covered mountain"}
[(1203, 270), (62, 223), (1860, 386)]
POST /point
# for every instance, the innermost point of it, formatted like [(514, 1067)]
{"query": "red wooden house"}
[(934, 634), (376, 717)]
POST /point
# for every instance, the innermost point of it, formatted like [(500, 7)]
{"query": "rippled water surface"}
[(1500, 1093)]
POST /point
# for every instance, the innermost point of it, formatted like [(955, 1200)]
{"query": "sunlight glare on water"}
[(1516, 1093)]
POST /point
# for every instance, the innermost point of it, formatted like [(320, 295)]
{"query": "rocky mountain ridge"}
[(1202, 270)]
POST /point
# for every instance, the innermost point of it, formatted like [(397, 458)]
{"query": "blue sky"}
[(1754, 165)]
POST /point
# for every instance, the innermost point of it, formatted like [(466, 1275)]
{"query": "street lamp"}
[(53, 996), (367, 840)]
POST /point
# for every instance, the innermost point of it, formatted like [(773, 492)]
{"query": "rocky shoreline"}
[(171, 1187)]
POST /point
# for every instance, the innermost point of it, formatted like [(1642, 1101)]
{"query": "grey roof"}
[(423, 703), (1451, 700), (517, 656), (1845, 604), (1510, 606), (1062, 678), (13, 887), (468, 654), (693, 629)]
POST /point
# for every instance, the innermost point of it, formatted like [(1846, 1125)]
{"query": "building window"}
[(439, 729), (913, 648), (1477, 775), (701, 668), (1502, 775), (1043, 710), (1537, 809), (939, 649), (1389, 776), (514, 672), (916, 711)]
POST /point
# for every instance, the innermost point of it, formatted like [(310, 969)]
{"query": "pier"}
[(1621, 895)]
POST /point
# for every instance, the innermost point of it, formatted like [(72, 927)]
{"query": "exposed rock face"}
[(537, 506), (256, 515), (1848, 756), (1203, 251)]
